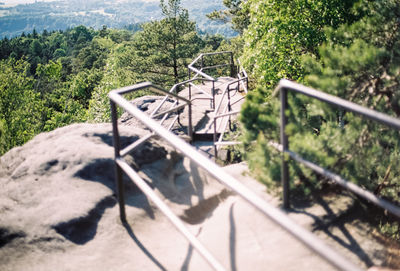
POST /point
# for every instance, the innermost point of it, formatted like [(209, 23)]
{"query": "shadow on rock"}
[(99, 170), (108, 138), (339, 221), (102, 170), (199, 212), (81, 230), (6, 236)]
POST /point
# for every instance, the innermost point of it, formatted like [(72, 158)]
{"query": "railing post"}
[(190, 125), (285, 147), (202, 65), (215, 139), (213, 94), (232, 66), (229, 99), (229, 108), (118, 171), (190, 86)]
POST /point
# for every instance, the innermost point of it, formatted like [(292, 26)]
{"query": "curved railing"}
[(220, 112), (174, 108), (271, 212), (199, 71), (198, 66)]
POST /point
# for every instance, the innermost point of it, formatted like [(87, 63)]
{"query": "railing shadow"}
[(337, 221), (186, 262), (232, 244), (185, 265), (142, 247), (232, 239)]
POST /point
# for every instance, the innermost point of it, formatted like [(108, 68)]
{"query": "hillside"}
[(61, 15)]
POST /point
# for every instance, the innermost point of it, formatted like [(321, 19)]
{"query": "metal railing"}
[(199, 71), (174, 108), (176, 105), (284, 87), (277, 216), (221, 118), (225, 114)]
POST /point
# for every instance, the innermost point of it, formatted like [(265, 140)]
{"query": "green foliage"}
[(48, 86), (358, 61), (237, 14), (62, 15), (62, 77), (164, 48), (361, 63), (19, 104), (115, 75), (281, 31)]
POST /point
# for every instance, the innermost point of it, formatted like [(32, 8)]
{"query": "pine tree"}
[(164, 48), (236, 13), (360, 62)]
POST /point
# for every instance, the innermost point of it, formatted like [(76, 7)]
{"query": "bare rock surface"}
[(58, 211)]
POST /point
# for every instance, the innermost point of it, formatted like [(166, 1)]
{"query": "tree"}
[(20, 106), (360, 62), (236, 14), (115, 75), (163, 49), (281, 31)]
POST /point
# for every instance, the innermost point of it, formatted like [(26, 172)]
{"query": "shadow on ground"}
[(331, 221)]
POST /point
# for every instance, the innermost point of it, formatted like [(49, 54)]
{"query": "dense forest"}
[(52, 79), (346, 48), (61, 15)]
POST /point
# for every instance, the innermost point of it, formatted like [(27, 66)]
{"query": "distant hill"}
[(60, 15)]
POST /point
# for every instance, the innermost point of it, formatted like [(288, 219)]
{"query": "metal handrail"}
[(226, 91), (276, 215), (160, 90), (200, 71), (225, 113), (173, 90), (285, 86)]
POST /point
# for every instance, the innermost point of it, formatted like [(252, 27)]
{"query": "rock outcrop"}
[(58, 210), (56, 188)]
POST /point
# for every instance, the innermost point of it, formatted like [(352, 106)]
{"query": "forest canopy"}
[(55, 78)]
